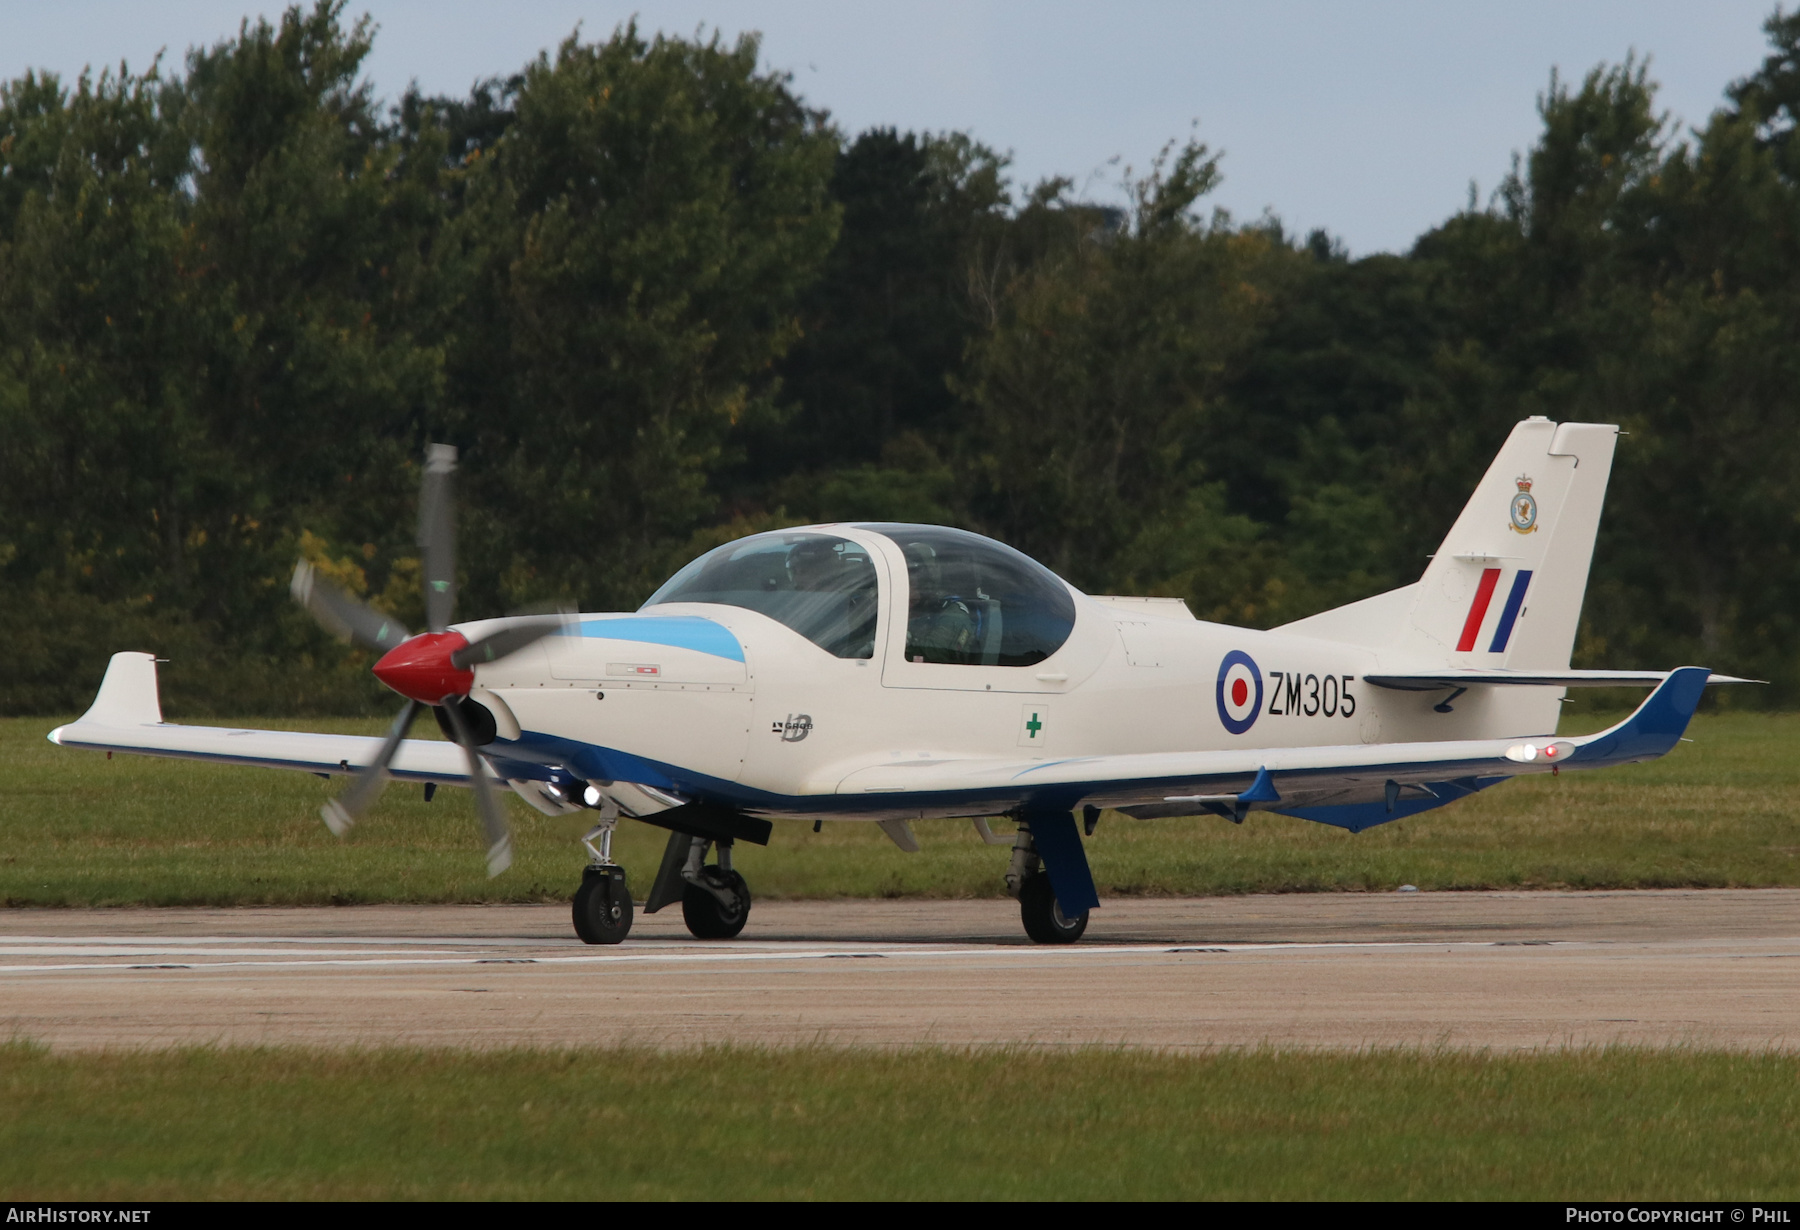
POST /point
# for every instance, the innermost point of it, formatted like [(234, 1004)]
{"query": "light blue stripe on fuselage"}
[(679, 631)]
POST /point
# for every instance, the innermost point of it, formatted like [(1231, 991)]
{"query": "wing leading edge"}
[(126, 716)]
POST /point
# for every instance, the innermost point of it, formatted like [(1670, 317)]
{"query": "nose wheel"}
[(603, 912)]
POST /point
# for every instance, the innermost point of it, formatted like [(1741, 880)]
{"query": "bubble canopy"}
[(972, 601), (820, 585)]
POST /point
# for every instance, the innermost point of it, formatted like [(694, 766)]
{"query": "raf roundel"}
[(1240, 691)]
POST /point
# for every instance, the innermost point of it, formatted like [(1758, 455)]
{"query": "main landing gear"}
[(1051, 838), (715, 901)]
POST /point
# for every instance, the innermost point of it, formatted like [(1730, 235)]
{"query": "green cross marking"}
[(1034, 725)]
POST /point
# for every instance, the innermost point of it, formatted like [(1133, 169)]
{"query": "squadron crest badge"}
[(1524, 507)]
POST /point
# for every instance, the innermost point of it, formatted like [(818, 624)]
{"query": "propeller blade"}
[(493, 819), (343, 615), (508, 640), (345, 810), (437, 535)]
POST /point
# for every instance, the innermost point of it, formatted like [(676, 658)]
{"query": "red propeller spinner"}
[(420, 669), (431, 669)]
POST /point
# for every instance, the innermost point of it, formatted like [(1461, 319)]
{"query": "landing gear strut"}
[(1039, 910), (715, 901), (602, 906)]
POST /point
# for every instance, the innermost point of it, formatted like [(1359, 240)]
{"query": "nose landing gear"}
[(602, 905), (603, 911)]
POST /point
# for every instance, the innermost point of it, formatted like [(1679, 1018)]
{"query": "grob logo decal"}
[(1240, 693), (796, 728)]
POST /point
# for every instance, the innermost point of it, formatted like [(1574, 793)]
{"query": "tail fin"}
[(1505, 587)]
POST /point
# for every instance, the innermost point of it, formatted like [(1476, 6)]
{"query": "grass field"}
[(832, 1124), (82, 830)]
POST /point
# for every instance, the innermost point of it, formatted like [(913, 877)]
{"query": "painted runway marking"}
[(392, 941), (331, 953)]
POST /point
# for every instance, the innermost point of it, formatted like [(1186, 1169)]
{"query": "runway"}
[(1501, 970)]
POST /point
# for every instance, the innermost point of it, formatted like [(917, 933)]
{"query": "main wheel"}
[(706, 916), (603, 906), (1043, 918)]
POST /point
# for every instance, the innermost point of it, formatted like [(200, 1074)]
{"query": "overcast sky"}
[(1368, 119)]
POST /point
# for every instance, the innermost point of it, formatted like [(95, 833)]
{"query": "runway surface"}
[(1502, 970)]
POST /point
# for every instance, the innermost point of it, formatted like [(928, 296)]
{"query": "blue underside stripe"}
[(1648, 733), (528, 757)]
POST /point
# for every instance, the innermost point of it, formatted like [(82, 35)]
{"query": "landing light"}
[(591, 796), (1525, 753)]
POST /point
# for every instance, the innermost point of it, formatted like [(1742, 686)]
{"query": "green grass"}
[(914, 1124), (82, 830)]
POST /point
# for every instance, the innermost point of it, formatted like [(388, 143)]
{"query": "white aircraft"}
[(889, 673)]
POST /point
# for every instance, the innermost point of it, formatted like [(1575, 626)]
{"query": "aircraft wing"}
[(1289, 777), (127, 717)]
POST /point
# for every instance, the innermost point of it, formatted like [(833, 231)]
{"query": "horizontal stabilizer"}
[(1442, 680), (1655, 727)]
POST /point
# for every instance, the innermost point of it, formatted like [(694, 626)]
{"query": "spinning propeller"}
[(434, 668)]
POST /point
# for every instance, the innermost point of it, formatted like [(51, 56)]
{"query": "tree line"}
[(659, 300)]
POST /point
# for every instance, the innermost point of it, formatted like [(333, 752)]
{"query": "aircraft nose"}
[(420, 669)]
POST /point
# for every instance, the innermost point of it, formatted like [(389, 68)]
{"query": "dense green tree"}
[(637, 241), (889, 316), (207, 291), (1094, 395), (659, 301)]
